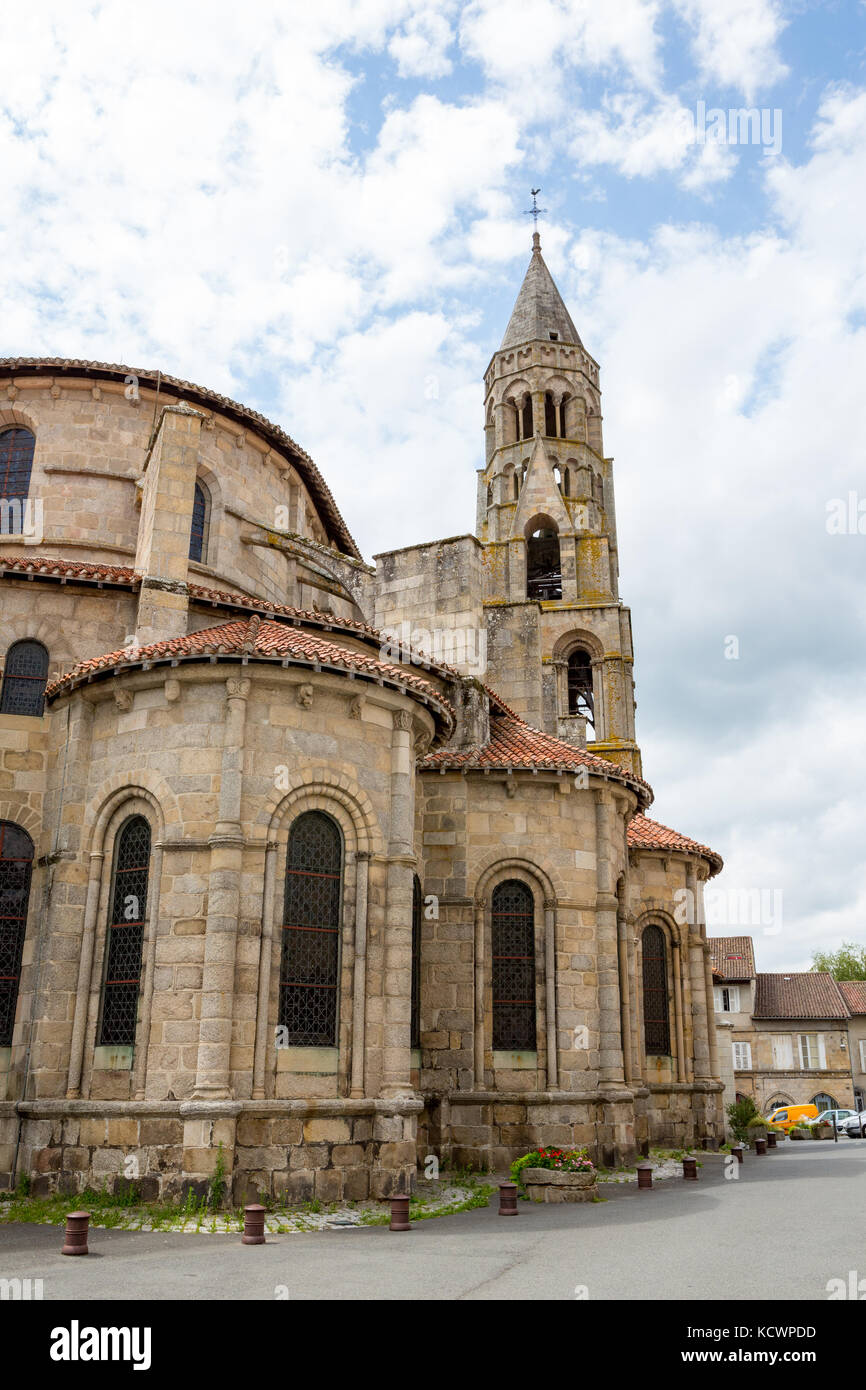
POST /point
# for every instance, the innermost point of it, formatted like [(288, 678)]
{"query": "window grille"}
[(198, 530), (16, 863), (125, 934), (513, 952), (16, 463), (24, 679), (656, 1016), (311, 932)]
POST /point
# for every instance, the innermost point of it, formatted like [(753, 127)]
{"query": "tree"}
[(848, 963), (739, 1114)]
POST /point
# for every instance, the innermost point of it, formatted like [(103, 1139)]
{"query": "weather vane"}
[(535, 211)]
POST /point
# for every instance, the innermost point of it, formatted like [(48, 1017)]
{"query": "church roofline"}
[(201, 395)]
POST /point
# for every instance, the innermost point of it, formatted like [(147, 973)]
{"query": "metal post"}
[(738, 1150), (690, 1169), (254, 1225), (644, 1177), (508, 1199), (400, 1214), (760, 1146), (75, 1238)]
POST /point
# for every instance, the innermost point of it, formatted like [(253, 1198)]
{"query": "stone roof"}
[(809, 994), (200, 395), (515, 746), (256, 638), (733, 956), (644, 833), (854, 994), (539, 309)]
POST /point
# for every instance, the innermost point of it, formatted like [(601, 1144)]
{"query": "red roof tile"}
[(808, 994), (644, 833), (255, 638), (733, 956), (319, 490), (854, 994), (67, 569), (515, 744)]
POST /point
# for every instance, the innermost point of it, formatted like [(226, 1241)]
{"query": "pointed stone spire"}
[(539, 309)]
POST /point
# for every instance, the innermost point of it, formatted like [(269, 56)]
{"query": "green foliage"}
[(740, 1115), (848, 963), (24, 1185)]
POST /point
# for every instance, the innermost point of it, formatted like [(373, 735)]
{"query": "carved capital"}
[(356, 707), (123, 700), (403, 720), (237, 687), (304, 696)]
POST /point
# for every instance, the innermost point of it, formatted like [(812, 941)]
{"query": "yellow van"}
[(787, 1116)]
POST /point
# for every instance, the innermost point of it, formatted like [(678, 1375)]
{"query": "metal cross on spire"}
[(535, 211)]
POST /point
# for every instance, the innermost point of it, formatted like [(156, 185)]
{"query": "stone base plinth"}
[(550, 1185)]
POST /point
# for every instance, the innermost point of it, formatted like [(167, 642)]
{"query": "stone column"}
[(397, 1057), (624, 993), (85, 970), (698, 983), (213, 1074), (708, 977), (677, 966), (162, 556), (606, 903), (266, 952), (478, 977), (139, 1076), (550, 992), (359, 981)]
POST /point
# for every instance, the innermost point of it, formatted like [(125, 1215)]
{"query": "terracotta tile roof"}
[(200, 395), (854, 994), (644, 833), (516, 745), (809, 994), (257, 638), (732, 956), (68, 569)]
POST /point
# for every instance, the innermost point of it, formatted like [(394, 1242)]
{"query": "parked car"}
[(833, 1117), (787, 1116), (853, 1125)]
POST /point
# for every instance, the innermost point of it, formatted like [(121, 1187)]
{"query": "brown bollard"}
[(254, 1225), (737, 1149), (75, 1238), (644, 1177), (760, 1147), (400, 1214), (508, 1199), (771, 1141), (690, 1169)]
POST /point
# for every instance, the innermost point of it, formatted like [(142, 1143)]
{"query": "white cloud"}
[(736, 43)]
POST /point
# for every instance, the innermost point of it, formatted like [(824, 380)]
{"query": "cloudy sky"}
[(319, 210)]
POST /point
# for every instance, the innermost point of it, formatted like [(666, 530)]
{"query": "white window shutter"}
[(822, 1056), (863, 1054), (717, 996), (734, 999)]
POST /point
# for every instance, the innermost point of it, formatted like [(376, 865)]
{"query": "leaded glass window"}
[(16, 462), (25, 676), (125, 933), (513, 951), (656, 1016), (311, 932), (16, 863), (199, 527)]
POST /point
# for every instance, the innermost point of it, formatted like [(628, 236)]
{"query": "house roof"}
[(539, 308), (644, 833), (515, 746), (200, 395), (807, 994), (732, 956), (258, 639), (854, 994)]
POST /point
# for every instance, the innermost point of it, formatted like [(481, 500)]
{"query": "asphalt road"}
[(785, 1226)]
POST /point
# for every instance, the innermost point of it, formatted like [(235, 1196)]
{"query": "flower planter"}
[(822, 1131), (554, 1185)]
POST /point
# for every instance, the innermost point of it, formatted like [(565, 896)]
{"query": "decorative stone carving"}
[(305, 696), (356, 707), (172, 689), (403, 720), (237, 688), (123, 700)]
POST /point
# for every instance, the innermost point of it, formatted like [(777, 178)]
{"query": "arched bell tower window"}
[(24, 679), (16, 462), (309, 972), (513, 953), (543, 565), (16, 863), (125, 934), (580, 698), (526, 419), (656, 1015), (198, 533), (550, 414)]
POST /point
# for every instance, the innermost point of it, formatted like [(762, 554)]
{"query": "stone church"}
[(285, 891)]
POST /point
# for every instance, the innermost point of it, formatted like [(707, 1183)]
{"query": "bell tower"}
[(559, 639)]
